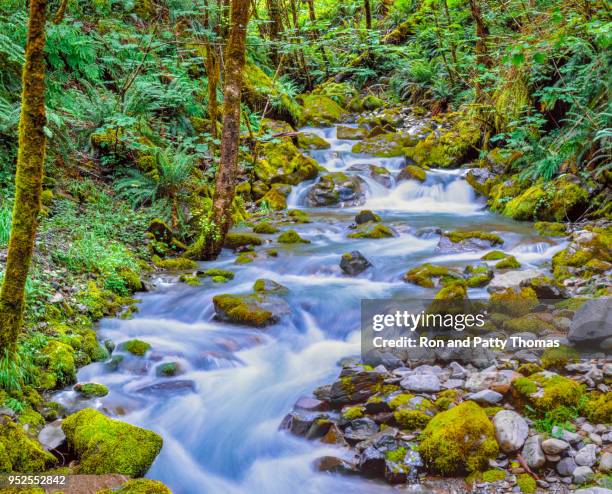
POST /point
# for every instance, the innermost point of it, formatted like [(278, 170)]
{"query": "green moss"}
[(106, 446), (299, 216), (291, 237), (526, 483), (242, 310), (237, 240), (167, 369), (341, 92), (525, 386), (550, 229), (32, 418), (91, 390), (310, 140), (513, 303), (509, 262), (176, 264), (411, 419), (528, 369), (265, 227), (275, 200), (457, 237), (453, 291), (136, 347), (545, 392), (415, 172), (493, 475), (400, 400), (21, 453), (396, 455), (212, 272), (384, 145), (319, 110), (459, 440), (374, 232), (353, 413), (60, 364), (559, 357), (190, 279), (492, 411), (494, 255), (598, 407), (350, 133), (139, 486), (531, 323), (245, 258), (445, 399), (427, 275)]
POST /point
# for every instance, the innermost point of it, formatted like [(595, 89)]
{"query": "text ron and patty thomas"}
[(389, 332)]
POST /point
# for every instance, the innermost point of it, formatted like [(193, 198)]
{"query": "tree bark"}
[(368, 13), (482, 32), (209, 245), (28, 179)]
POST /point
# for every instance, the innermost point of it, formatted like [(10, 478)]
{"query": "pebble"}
[(554, 446)]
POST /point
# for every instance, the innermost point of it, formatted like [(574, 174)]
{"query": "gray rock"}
[(422, 383), (511, 279), (593, 490), (52, 436), (511, 430), (566, 467), (360, 429), (446, 246), (567, 436), (532, 452), (605, 463), (554, 446), (592, 323), (354, 263), (486, 396), (337, 188), (587, 456), (582, 475)]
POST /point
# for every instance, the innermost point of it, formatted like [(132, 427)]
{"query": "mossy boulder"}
[(546, 391), (167, 369), (376, 231), (478, 276), (594, 247), (281, 162), (459, 440), (319, 110), (265, 227), (366, 216), (337, 188), (557, 358), (509, 262), (139, 486), (20, 453), (274, 199), (340, 92), (381, 175), (91, 390), (494, 255), (449, 293), (218, 272), (597, 408), (512, 302), (384, 145), (429, 276), (467, 241), (59, 364), (550, 229), (371, 102), (136, 347), (291, 237), (105, 446), (299, 216), (177, 264), (350, 133), (481, 180), (526, 483), (257, 310), (310, 141), (412, 172), (264, 285), (236, 241)]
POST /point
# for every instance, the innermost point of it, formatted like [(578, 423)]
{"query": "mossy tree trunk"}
[(368, 14), (209, 245), (28, 180)]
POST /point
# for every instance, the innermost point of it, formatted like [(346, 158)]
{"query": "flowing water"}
[(220, 417)]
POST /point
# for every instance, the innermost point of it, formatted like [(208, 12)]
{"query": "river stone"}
[(554, 446), (52, 436), (566, 467), (605, 462), (532, 452), (592, 322), (422, 383), (372, 462), (337, 188), (354, 263), (587, 456), (309, 404), (354, 389), (582, 475), (299, 422), (360, 429), (446, 246), (486, 397), (333, 464), (366, 216), (511, 430), (510, 279)]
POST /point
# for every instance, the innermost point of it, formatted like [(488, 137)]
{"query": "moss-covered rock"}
[(509, 262), (585, 247), (481, 180), (139, 486), (340, 92), (550, 229), (245, 258), (190, 279), (531, 323), (451, 292), (91, 390), (366, 216), (274, 199), (263, 285), (557, 358), (598, 407), (60, 364), (337, 188), (384, 145), (167, 369), (291, 237), (265, 227), (526, 483), (249, 310), (376, 231), (281, 162), (412, 172), (513, 303), (319, 110), (459, 237), (494, 255), (214, 272), (350, 133), (136, 347), (237, 240), (19, 453), (411, 419), (429, 276), (459, 440), (478, 276), (546, 391), (299, 216), (310, 141), (105, 446), (177, 264)]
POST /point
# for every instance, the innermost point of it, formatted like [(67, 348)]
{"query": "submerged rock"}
[(310, 140), (256, 310), (350, 133), (337, 188), (366, 216), (467, 241)]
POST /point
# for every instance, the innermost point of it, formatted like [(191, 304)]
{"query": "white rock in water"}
[(511, 430), (554, 446), (587, 456), (532, 452)]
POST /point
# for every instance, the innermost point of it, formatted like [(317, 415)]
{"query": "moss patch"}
[(374, 232), (139, 486), (136, 347), (21, 453), (237, 240), (91, 390), (291, 237)]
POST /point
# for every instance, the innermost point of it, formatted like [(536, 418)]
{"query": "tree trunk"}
[(482, 32), (368, 13), (213, 233), (28, 180), (212, 71), (275, 28)]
